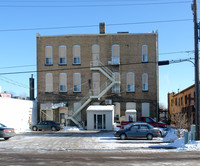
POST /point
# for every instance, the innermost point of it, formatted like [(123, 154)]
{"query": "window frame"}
[(115, 59), (47, 59), (47, 84), (65, 75), (144, 56), (65, 57), (76, 58), (76, 88), (127, 85), (145, 85)]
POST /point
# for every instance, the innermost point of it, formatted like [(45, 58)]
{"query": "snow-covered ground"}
[(73, 139)]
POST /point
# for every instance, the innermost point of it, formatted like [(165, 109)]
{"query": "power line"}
[(104, 5), (90, 26), (74, 68)]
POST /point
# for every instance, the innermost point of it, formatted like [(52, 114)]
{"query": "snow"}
[(73, 139)]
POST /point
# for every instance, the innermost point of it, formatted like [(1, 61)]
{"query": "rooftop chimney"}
[(102, 27)]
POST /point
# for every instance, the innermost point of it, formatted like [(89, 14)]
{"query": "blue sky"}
[(18, 41)]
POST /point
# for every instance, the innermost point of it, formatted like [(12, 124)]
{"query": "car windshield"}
[(1, 125)]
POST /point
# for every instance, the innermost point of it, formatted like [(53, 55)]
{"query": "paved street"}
[(99, 158), (88, 148)]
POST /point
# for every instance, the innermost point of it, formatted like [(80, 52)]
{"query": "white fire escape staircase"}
[(112, 80)]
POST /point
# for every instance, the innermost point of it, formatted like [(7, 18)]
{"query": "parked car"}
[(138, 130), (146, 120), (6, 132), (47, 125)]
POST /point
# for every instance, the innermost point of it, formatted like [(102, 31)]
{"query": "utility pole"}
[(196, 49)]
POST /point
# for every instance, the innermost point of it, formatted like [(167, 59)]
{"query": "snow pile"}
[(71, 128), (171, 135), (115, 126)]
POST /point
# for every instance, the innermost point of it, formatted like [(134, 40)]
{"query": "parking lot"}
[(75, 141)]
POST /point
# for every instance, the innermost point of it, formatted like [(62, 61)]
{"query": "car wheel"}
[(149, 136), (7, 138), (123, 136), (53, 128), (34, 128)]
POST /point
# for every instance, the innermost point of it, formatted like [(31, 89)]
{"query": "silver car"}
[(138, 130)]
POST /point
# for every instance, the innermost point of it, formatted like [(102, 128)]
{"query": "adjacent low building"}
[(77, 71), (181, 107)]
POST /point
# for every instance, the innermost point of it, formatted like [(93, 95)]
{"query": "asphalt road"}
[(98, 158)]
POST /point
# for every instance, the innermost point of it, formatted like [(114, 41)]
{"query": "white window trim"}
[(145, 85), (79, 62), (60, 89), (144, 57), (116, 59), (65, 54), (127, 89), (79, 88), (51, 58)]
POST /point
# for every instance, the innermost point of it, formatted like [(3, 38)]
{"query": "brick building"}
[(75, 71), (181, 106)]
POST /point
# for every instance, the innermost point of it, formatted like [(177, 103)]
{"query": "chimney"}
[(31, 80), (102, 27)]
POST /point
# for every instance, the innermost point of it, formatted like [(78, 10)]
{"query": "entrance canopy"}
[(101, 108)]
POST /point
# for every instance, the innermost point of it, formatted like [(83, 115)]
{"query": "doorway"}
[(99, 121)]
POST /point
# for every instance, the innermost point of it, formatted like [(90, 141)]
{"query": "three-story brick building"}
[(75, 71)]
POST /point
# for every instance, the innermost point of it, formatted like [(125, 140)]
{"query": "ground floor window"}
[(99, 121)]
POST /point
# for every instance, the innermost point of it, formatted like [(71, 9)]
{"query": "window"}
[(77, 82), (144, 53), (76, 54), (62, 55), (49, 82), (63, 82), (115, 54), (130, 79), (116, 87), (48, 55), (145, 82), (185, 99), (95, 54), (144, 127), (145, 109)]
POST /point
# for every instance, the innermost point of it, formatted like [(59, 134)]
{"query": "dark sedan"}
[(6, 132), (138, 130), (47, 125)]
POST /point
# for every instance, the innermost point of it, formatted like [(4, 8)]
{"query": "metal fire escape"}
[(112, 80)]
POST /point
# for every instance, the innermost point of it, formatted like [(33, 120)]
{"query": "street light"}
[(160, 63)]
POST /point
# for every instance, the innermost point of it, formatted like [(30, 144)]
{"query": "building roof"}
[(100, 108)]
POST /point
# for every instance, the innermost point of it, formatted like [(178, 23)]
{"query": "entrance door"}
[(99, 121)]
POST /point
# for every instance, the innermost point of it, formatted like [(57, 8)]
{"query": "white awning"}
[(131, 111), (100, 108)]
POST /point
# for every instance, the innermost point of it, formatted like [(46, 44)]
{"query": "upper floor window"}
[(144, 53), (63, 82), (49, 82), (145, 82), (48, 55), (115, 54), (95, 54), (130, 85), (76, 54), (77, 82), (62, 55), (116, 87)]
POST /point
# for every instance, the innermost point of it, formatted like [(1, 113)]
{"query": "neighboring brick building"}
[(181, 106), (75, 71)]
